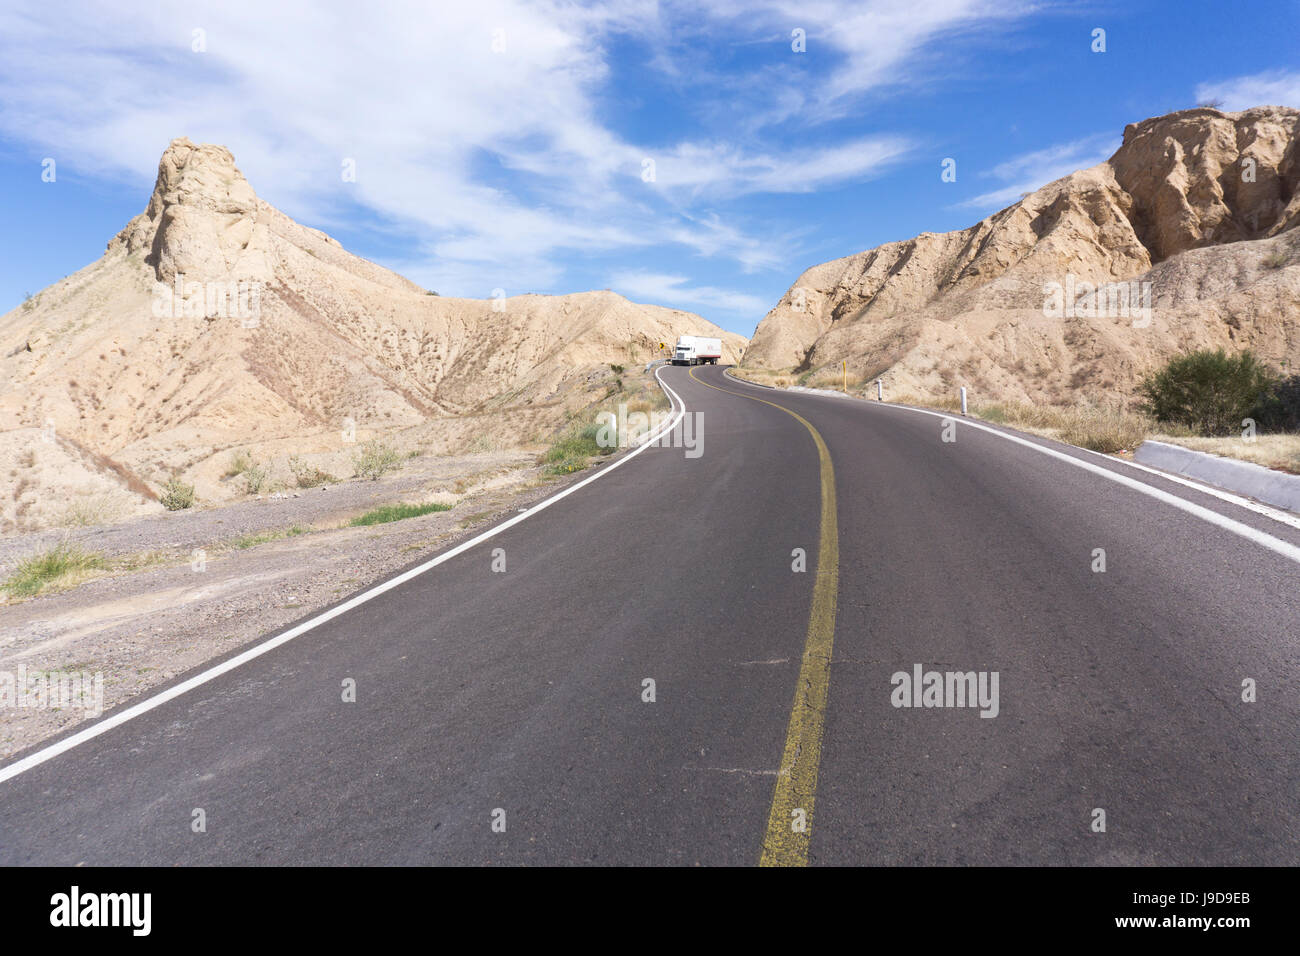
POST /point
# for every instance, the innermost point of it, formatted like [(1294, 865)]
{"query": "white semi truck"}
[(697, 350)]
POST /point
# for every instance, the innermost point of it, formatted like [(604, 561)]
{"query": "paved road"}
[(523, 690)]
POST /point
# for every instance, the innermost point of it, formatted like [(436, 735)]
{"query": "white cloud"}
[(493, 164), (1271, 88), (1031, 171), (871, 44), (655, 288), (722, 170)]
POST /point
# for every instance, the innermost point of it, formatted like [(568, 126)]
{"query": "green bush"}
[(1209, 392), (374, 459), (176, 495), (255, 476), (1279, 409)]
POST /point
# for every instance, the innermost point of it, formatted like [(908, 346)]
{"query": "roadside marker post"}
[(880, 389), (963, 399)]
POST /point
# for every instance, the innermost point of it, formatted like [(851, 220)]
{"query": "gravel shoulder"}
[(165, 609)]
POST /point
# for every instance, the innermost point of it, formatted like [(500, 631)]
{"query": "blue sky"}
[(506, 144)]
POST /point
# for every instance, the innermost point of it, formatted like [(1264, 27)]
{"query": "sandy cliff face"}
[(1200, 205), (214, 321)]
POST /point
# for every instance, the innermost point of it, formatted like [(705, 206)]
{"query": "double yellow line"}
[(789, 823)]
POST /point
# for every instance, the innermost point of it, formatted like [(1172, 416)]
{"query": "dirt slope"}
[(213, 322), (1200, 204)]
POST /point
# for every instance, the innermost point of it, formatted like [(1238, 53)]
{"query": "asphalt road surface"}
[(516, 700)]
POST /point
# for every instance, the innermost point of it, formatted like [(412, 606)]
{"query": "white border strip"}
[(117, 718), (1285, 517)]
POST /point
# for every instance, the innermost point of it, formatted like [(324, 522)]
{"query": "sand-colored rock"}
[(278, 339), (1200, 204)]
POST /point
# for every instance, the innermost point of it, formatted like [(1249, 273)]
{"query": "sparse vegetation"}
[(646, 406), (62, 564), (832, 378), (573, 449), (176, 495), (482, 442), (1210, 392), (308, 476), (240, 462), (90, 510), (1275, 259), (252, 540), (396, 512), (766, 376), (256, 477), (374, 459), (1106, 430)]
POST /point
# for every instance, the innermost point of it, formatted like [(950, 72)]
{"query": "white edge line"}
[(1262, 538), (117, 718)]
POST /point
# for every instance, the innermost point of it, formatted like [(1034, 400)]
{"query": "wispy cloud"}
[(1271, 88), (655, 288), (716, 169), (1031, 171), (853, 48), (480, 132)]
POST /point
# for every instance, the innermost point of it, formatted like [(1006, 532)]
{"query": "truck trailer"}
[(697, 350)]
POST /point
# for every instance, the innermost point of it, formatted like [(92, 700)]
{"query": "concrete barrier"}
[(1275, 488)]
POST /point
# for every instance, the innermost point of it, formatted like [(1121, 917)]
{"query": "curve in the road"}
[(117, 718), (789, 824)]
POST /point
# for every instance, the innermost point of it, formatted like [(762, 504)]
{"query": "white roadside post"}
[(880, 389), (963, 399)]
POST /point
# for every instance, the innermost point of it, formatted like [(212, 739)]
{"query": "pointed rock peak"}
[(207, 172), (201, 214)]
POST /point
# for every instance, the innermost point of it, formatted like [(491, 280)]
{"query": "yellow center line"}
[(789, 824)]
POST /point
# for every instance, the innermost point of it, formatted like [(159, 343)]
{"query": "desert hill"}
[(214, 322), (1196, 209)]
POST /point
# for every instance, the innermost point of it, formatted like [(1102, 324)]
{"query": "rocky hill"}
[(1045, 301), (214, 322)]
